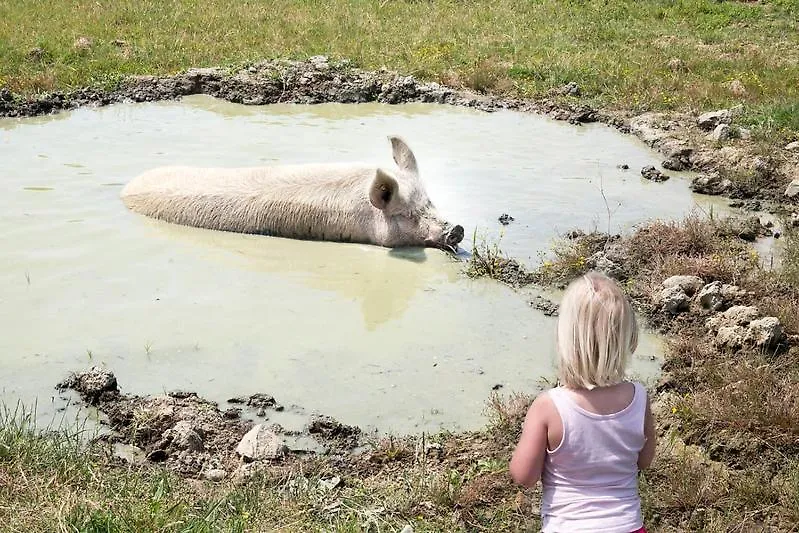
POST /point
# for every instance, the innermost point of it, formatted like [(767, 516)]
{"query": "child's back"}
[(587, 439), (592, 474)]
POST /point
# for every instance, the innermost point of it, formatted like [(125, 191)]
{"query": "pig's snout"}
[(453, 236), (448, 239)]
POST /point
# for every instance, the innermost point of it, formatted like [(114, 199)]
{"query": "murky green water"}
[(390, 340)]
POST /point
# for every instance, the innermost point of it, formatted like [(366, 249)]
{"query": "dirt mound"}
[(193, 436)]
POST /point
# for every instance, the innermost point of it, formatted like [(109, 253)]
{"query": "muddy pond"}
[(388, 340)]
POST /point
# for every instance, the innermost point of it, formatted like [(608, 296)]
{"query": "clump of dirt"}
[(332, 431), (94, 386), (548, 307), (191, 435)]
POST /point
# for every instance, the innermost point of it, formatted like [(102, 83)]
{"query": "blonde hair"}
[(597, 333)]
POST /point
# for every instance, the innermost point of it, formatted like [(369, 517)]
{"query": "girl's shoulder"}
[(542, 403)]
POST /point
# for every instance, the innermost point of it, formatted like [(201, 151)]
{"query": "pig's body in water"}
[(346, 202)]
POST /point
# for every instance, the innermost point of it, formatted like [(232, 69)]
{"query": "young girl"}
[(587, 438)]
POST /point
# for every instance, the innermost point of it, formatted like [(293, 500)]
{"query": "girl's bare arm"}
[(647, 453), (528, 458)]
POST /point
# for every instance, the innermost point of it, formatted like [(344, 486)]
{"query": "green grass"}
[(618, 52), (62, 481)]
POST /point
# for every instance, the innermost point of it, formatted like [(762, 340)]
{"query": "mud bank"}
[(194, 437), (731, 164)]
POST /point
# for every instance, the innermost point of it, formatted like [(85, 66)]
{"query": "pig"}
[(343, 202)]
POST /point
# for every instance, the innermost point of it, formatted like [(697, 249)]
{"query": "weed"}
[(487, 260)]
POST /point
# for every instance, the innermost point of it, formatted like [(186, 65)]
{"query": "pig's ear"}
[(383, 189), (403, 156)]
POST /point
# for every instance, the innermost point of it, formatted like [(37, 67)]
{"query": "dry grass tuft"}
[(695, 236), (506, 415)]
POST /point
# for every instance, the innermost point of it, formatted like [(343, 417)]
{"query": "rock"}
[(407, 529), (570, 89), (93, 385), (575, 234), (36, 53), (761, 166), (708, 121), (748, 229), (792, 146), (184, 436), (505, 219), (689, 284), (624, 166), (711, 185), (793, 189), (793, 221), (547, 307), (714, 295), (744, 133), (330, 484), (721, 133), (737, 88), (129, 453), (730, 337), (676, 64), (674, 300), (215, 475), (601, 262), (741, 314), (675, 164), (261, 443), (82, 43), (737, 315), (653, 174), (765, 333), (710, 296)]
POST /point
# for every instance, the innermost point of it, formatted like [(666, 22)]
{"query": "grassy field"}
[(627, 54)]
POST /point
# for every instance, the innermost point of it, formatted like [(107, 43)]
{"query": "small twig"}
[(607, 208)]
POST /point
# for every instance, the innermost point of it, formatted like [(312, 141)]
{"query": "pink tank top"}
[(590, 481)]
